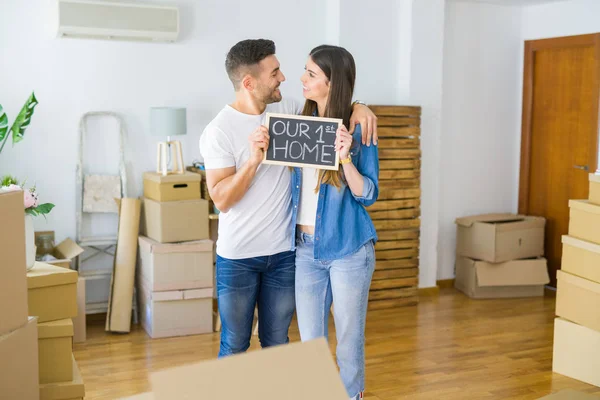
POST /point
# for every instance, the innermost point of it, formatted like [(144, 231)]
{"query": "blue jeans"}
[(345, 282), (266, 281)]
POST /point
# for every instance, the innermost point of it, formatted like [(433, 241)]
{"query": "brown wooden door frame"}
[(531, 46)]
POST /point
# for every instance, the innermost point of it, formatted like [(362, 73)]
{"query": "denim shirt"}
[(342, 223)]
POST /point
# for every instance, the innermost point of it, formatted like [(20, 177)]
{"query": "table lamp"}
[(168, 121)]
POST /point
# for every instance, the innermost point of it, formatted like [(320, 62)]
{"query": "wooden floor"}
[(448, 347)]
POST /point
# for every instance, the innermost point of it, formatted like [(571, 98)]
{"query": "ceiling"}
[(511, 2)]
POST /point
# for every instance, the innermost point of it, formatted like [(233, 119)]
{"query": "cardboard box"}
[(594, 195), (581, 258), (64, 390), (520, 278), (52, 292), (295, 371), (578, 300), (79, 328), (176, 313), (569, 394), (576, 352), (55, 349), (500, 237), (173, 187), (175, 221), (584, 221), (19, 377), (118, 316), (176, 266), (13, 283), (65, 252)]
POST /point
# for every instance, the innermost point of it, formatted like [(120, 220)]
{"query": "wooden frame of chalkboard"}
[(327, 127)]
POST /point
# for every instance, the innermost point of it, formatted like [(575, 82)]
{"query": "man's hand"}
[(259, 143), (362, 115)]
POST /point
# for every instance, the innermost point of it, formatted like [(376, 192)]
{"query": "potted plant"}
[(32, 208), (19, 125), (30, 196)]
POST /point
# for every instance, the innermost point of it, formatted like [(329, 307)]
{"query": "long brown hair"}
[(338, 66)]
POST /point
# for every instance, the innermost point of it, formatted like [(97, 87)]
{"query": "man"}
[(255, 261)]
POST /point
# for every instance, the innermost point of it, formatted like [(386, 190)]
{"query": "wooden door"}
[(559, 143)]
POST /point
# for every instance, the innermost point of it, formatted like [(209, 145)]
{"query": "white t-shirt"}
[(260, 223), (307, 209)]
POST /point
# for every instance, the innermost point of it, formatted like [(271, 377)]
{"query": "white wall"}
[(376, 40), (72, 76), (426, 72), (480, 136), (575, 17), (398, 49)]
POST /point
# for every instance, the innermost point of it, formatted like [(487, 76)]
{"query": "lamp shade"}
[(168, 121)]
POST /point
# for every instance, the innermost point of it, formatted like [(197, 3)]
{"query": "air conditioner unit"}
[(117, 20)]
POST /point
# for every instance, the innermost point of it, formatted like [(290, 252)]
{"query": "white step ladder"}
[(95, 194)]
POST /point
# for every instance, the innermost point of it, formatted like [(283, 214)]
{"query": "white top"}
[(307, 210), (260, 223)]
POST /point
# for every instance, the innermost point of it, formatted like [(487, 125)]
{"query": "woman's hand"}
[(343, 142)]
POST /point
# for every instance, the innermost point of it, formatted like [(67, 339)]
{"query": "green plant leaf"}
[(3, 123), (8, 180), (23, 119), (31, 211), (44, 208)]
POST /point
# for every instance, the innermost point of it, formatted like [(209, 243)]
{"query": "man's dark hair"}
[(244, 55)]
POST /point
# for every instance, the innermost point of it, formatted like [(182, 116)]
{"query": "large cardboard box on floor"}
[(19, 377), (55, 349), (296, 371), (578, 300), (576, 352), (519, 278), (176, 266), (594, 196), (13, 283), (174, 187), (72, 390), (581, 258), (176, 313), (175, 221), (584, 220), (64, 253), (52, 292), (500, 237)]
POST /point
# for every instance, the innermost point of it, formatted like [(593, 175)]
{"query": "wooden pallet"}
[(396, 214)]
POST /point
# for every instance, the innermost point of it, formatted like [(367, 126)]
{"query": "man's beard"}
[(273, 96)]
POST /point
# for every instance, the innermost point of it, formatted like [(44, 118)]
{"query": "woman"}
[(334, 234)]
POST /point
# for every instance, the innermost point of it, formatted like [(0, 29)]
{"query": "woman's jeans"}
[(345, 282)]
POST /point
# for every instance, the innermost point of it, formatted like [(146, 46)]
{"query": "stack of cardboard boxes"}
[(175, 270), (52, 298), (577, 328), (19, 377), (64, 254), (500, 255)]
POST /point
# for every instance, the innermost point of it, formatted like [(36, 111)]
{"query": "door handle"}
[(582, 167)]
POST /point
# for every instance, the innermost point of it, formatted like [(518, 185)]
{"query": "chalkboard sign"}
[(301, 141)]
